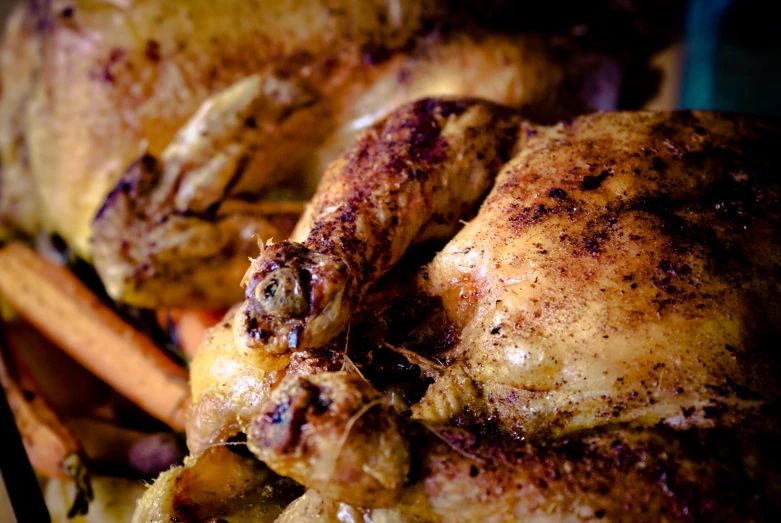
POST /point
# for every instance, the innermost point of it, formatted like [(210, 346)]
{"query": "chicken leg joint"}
[(281, 294)]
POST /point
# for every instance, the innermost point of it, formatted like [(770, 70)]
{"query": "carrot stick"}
[(48, 443), (65, 311), (190, 328)]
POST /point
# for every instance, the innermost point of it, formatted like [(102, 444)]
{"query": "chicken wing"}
[(410, 178)]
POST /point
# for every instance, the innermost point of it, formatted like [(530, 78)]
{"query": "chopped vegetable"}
[(50, 447), (190, 328), (65, 311)]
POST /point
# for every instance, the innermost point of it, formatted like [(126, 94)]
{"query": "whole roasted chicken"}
[(159, 138), (484, 319)]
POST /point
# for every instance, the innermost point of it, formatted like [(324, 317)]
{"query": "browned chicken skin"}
[(615, 303), (158, 138), (424, 166)]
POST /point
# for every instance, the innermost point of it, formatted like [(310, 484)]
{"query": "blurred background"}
[(728, 57)]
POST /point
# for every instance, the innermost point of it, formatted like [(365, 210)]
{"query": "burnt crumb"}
[(557, 194), (658, 164), (591, 183), (599, 514), (496, 330), (473, 471), (633, 286), (593, 244), (666, 267), (152, 50), (250, 123), (67, 12), (699, 130), (28, 395), (729, 348)]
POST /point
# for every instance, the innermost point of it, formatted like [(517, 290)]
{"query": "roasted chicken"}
[(160, 138), (598, 341)]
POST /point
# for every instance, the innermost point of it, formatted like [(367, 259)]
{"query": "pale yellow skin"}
[(90, 87), (617, 302), (631, 301)]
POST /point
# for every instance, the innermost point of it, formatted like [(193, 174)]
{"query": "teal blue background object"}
[(733, 56)]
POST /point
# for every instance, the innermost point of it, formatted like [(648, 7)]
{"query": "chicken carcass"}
[(158, 138), (601, 340)]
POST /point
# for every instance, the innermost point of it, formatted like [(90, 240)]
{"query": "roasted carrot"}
[(190, 328), (49, 445), (70, 315)]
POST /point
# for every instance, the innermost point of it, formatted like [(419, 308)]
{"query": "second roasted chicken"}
[(484, 319), (159, 138)]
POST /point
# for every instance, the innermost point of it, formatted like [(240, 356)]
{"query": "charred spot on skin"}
[(253, 328), (658, 164), (591, 183), (557, 194), (280, 428)]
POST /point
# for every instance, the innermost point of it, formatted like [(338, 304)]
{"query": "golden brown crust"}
[(333, 432), (411, 177), (632, 274), (615, 302)]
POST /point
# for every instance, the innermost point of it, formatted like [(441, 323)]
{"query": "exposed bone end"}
[(295, 299), (334, 433), (280, 294)]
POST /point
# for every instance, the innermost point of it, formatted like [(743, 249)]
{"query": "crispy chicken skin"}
[(217, 484), (616, 299), (425, 166), (105, 108), (623, 268)]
